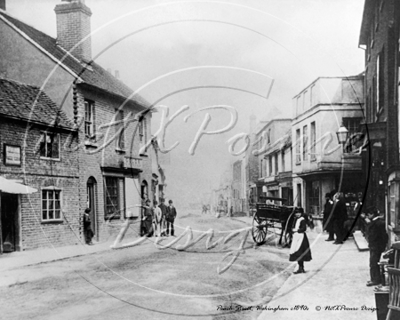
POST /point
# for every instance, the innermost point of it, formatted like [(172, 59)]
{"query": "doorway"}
[(9, 222), (92, 204)]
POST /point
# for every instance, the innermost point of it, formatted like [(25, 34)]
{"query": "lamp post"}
[(342, 135)]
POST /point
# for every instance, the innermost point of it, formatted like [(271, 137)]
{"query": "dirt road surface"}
[(154, 281)]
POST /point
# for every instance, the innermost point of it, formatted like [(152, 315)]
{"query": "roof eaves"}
[(24, 35), (128, 100), (41, 123)]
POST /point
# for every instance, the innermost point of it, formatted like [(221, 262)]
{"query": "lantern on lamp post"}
[(342, 135)]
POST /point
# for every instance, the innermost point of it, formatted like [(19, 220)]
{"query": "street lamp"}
[(342, 135)]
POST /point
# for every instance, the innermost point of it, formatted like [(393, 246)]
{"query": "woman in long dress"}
[(300, 248)]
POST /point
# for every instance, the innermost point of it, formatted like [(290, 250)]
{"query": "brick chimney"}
[(3, 4), (73, 26)]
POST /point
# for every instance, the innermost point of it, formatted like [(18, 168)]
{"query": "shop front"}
[(10, 222)]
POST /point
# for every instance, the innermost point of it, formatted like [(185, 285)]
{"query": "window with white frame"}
[(51, 205), (115, 188), (298, 147), (50, 145), (313, 141), (355, 137), (305, 142), (89, 118), (298, 105), (312, 93), (306, 100)]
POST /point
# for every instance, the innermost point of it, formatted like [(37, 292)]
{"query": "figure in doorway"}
[(87, 227)]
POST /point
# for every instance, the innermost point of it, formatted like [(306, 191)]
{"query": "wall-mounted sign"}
[(12, 155)]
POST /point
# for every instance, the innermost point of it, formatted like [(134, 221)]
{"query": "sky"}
[(244, 56)]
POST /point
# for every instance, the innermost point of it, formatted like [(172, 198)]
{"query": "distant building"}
[(239, 196), (250, 165), (274, 154), (320, 164)]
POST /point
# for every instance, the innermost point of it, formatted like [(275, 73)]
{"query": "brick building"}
[(113, 123), (380, 37), (36, 143)]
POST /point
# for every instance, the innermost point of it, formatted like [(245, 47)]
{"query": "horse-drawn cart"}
[(268, 217)]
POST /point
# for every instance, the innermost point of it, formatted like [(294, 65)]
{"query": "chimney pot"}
[(3, 5), (117, 74)]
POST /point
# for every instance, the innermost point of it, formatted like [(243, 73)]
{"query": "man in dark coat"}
[(377, 241), (328, 218), (147, 219), (339, 217), (87, 227), (163, 208), (171, 215)]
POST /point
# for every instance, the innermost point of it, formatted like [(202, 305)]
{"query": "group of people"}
[(335, 219), (158, 220), (337, 225)]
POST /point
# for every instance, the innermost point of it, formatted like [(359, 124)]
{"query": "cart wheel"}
[(288, 239), (259, 229)]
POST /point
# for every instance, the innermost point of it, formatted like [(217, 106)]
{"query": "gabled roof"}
[(29, 103), (93, 74)]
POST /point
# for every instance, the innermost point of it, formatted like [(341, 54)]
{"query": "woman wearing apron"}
[(300, 248)]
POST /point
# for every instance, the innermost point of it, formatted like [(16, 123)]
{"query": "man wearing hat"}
[(327, 220), (377, 241)]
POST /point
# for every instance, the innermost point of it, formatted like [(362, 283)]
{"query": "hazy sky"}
[(241, 47)]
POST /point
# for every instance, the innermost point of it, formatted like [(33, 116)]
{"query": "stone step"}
[(360, 241)]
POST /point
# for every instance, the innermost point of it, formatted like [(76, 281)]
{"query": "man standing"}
[(171, 215), (328, 217), (377, 241), (163, 208), (339, 217), (87, 227)]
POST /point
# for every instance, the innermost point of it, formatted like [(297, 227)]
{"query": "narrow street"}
[(146, 282)]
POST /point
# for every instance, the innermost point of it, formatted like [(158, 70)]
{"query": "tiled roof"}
[(94, 75), (29, 103)]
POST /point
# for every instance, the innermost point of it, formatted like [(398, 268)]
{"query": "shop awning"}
[(9, 186)]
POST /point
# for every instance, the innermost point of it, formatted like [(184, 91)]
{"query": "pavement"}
[(20, 259), (333, 287)]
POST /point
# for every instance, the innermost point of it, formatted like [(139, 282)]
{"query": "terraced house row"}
[(72, 132)]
